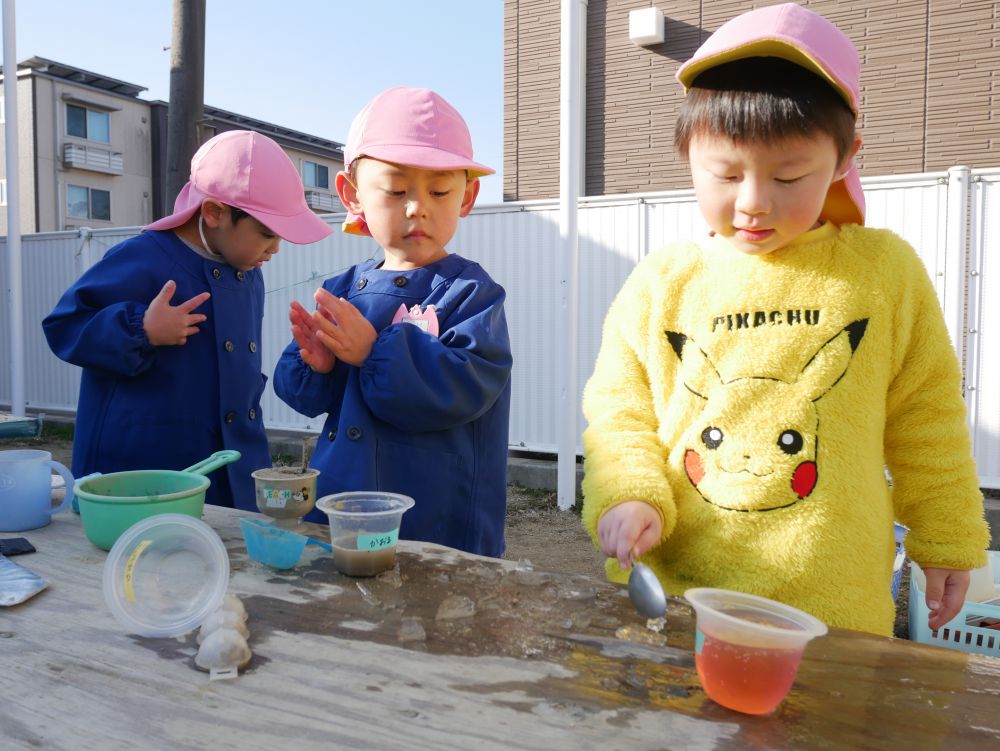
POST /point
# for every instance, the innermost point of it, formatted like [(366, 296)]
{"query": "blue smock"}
[(168, 407), (424, 415)]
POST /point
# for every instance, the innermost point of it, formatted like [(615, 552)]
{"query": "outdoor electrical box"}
[(645, 26)]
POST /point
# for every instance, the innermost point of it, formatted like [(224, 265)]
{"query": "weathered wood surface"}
[(545, 661)]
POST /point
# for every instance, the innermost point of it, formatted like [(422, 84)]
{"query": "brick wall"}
[(930, 88)]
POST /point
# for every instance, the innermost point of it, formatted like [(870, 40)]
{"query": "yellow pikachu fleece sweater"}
[(755, 401)]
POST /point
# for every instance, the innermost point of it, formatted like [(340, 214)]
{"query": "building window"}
[(315, 175), (3, 192), (88, 203), (87, 123)]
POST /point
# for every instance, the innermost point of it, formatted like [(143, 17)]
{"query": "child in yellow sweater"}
[(751, 387)]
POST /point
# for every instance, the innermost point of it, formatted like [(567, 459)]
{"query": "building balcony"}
[(323, 202), (93, 158)]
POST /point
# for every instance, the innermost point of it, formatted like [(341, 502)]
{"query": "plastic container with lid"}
[(165, 575)]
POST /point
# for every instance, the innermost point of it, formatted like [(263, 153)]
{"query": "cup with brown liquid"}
[(364, 529)]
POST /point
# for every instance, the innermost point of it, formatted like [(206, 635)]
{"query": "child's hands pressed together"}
[(632, 526), (167, 324), (313, 352), (342, 329), (946, 589)]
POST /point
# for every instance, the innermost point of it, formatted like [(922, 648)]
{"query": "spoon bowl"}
[(645, 591)]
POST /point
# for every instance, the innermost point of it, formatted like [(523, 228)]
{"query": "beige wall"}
[(131, 202), (930, 79), (26, 170), (45, 177)]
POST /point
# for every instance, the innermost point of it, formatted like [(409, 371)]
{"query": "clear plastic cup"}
[(748, 648), (364, 529)]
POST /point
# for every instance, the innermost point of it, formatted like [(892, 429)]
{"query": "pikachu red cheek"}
[(693, 466), (804, 479)]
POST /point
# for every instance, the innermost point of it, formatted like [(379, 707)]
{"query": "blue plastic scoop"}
[(273, 546)]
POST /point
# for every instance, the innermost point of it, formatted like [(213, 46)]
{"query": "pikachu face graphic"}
[(753, 446)]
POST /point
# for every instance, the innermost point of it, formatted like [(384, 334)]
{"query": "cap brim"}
[(188, 201), (302, 228), (771, 47), (425, 157)]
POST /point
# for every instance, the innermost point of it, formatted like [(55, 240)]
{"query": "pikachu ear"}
[(699, 373), (830, 362)]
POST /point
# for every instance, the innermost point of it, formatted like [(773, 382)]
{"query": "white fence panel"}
[(983, 333), (519, 245), (296, 273)]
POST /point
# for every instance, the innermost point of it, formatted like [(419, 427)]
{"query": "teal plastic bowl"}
[(110, 504)]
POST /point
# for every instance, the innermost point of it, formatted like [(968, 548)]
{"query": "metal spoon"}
[(645, 590)]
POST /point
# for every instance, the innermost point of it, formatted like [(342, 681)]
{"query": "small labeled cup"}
[(364, 529), (286, 494), (748, 648)]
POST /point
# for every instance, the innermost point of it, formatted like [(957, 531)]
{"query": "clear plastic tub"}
[(748, 648), (165, 575), (364, 529)]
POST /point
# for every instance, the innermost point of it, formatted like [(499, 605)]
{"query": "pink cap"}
[(414, 128), (805, 38), (250, 171)]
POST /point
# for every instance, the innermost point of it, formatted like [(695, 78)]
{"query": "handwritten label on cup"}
[(130, 568), (378, 541)]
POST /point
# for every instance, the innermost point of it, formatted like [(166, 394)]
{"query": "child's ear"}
[(846, 164), (469, 199), (348, 193), (211, 212)]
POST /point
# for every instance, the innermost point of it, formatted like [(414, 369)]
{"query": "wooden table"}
[(545, 661)]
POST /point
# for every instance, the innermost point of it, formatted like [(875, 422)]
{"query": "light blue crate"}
[(958, 633), (897, 565)]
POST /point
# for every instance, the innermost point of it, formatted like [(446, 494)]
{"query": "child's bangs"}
[(748, 117), (760, 100)]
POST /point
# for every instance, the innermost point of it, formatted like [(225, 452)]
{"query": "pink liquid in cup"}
[(748, 679), (748, 648)]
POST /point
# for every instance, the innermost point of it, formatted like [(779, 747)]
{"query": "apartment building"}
[(92, 153), (930, 77)]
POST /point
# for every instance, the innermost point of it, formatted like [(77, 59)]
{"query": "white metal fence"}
[(952, 219)]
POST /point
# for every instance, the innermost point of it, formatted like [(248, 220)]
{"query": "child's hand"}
[(342, 328), (632, 526), (172, 324), (313, 352), (946, 590)]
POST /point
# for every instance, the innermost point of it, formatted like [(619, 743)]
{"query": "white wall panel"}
[(519, 245), (983, 334), (295, 273)]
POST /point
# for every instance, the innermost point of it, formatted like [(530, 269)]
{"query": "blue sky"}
[(309, 66)]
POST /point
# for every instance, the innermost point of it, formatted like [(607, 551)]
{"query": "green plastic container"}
[(111, 503)]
